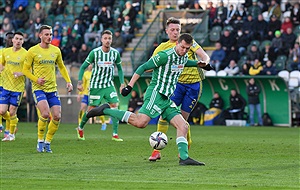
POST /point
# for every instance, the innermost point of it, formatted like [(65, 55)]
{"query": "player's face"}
[(182, 48), (8, 40), (46, 36), (18, 41), (173, 31), (106, 40)]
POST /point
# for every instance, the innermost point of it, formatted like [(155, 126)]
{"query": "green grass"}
[(235, 157)]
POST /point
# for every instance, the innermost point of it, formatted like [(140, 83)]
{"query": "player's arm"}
[(27, 67), (120, 71)]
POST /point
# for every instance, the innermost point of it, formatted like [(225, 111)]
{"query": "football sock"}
[(84, 119), (42, 122), (80, 114), (13, 123), (115, 125), (118, 114), (182, 145), (6, 116), (189, 136), (102, 119), (162, 126), (52, 128)]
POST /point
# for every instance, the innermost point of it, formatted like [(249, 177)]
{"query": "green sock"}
[(84, 119), (182, 145), (115, 125), (118, 114)]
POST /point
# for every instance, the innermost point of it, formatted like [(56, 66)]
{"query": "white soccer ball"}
[(158, 140)]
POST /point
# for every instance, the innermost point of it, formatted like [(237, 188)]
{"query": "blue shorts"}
[(1, 88), (187, 95), (85, 99), (51, 97), (11, 98)]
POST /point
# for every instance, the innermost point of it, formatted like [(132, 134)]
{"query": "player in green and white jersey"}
[(167, 66), (102, 86)]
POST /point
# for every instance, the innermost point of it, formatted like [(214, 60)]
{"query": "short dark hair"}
[(186, 37), (107, 32), (18, 33), (172, 20), (9, 33), (44, 27)]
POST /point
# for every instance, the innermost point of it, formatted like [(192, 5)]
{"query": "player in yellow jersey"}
[(39, 67), (14, 83), (8, 43), (84, 96), (189, 86)]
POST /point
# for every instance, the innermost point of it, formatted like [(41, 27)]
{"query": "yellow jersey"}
[(190, 74), (13, 62), (86, 82), (40, 63)]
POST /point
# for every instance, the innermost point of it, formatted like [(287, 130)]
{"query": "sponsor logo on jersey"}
[(177, 68)]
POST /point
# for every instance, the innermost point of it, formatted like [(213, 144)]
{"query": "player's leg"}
[(55, 107), (14, 102), (4, 102), (1, 122), (83, 107), (110, 96), (103, 123)]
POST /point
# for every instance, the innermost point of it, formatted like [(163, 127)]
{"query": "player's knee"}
[(2, 112), (56, 117)]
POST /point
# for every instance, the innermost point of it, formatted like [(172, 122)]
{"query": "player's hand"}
[(69, 87), (78, 97), (202, 63), (79, 86), (41, 81), (207, 67), (125, 91)]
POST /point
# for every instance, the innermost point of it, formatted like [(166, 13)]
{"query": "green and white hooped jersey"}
[(169, 66), (103, 67)]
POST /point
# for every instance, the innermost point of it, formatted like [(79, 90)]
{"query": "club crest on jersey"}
[(52, 55), (177, 68)]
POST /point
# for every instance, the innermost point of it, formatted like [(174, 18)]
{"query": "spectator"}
[(230, 15), (216, 102), (277, 44), (96, 43), (274, 25), (93, 31), (56, 38), (295, 14), (95, 5), (289, 39), (269, 68), (86, 16), (221, 12), (127, 11), (274, 9), (135, 102), (237, 105), (63, 43), (267, 55), (186, 4), (227, 41), (195, 5), (248, 27), (287, 23), (38, 11), (242, 42), (241, 12), (136, 4), (105, 17), (169, 6), (238, 23), (83, 53), (74, 39), (217, 57), (8, 13), (256, 68), (232, 69), (21, 17), (7, 26), (232, 55), (295, 57), (260, 28), (18, 3), (58, 7), (57, 26), (254, 10), (127, 29), (253, 53), (71, 57), (246, 67), (35, 26), (212, 12), (118, 42), (34, 39), (253, 91), (78, 27)]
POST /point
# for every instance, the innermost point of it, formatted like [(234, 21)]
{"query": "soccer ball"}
[(158, 140)]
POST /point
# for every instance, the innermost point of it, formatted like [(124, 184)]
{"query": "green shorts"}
[(109, 95), (156, 104)]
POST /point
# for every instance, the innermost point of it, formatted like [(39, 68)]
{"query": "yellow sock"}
[(189, 136), (80, 116), (6, 116), (13, 123), (162, 126), (52, 128), (102, 119), (42, 122), (1, 120)]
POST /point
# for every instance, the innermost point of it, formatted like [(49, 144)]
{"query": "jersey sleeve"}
[(90, 58), (156, 61), (27, 67)]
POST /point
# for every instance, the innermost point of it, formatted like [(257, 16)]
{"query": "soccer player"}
[(14, 84), (8, 43), (39, 67), (85, 96), (189, 86), (102, 86), (167, 66)]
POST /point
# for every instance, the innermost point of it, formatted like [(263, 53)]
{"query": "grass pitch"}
[(235, 157)]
